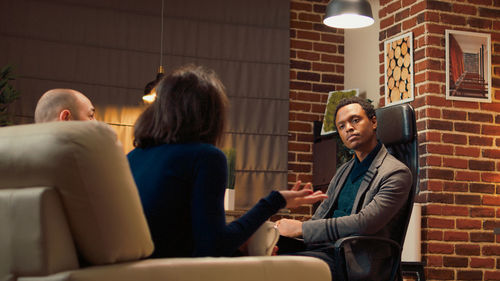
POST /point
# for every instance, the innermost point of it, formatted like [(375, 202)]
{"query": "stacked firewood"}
[(399, 80)]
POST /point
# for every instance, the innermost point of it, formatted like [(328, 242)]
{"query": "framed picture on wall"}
[(398, 53), (334, 97), (468, 66)]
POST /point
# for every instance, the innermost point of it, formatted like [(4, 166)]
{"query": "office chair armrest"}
[(366, 257), (340, 242)]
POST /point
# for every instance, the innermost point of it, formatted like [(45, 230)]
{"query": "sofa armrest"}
[(276, 268), (34, 235)]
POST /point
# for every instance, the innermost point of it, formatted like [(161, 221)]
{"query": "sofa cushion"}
[(280, 268), (90, 171)]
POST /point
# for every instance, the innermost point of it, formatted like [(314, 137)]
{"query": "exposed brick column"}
[(459, 141), (316, 68)]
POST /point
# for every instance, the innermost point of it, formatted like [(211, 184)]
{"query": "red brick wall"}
[(316, 68), (459, 141)]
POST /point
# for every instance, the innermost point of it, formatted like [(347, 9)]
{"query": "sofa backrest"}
[(87, 167)]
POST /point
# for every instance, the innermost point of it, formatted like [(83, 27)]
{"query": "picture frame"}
[(468, 66), (328, 127), (398, 63)]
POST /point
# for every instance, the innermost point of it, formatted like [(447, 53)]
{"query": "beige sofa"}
[(67, 198)]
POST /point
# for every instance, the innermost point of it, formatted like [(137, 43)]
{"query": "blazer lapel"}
[(370, 174)]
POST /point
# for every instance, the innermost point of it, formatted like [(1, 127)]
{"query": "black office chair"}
[(397, 130)]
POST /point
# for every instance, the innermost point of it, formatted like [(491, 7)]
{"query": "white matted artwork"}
[(468, 66), (334, 97), (398, 53)]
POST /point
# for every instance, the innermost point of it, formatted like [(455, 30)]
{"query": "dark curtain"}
[(109, 50)]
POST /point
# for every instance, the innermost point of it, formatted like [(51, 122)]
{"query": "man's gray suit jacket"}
[(379, 207)]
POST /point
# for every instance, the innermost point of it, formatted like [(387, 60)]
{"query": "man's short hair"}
[(53, 102), (364, 103)]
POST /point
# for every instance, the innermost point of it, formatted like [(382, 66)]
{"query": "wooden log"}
[(395, 95), (405, 95), (397, 73), (397, 52), (402, 86), (390, 54), (392, 63), (404, 74), (400, 61), (407, 60), (409, 86), (404, 49), (390, 83)]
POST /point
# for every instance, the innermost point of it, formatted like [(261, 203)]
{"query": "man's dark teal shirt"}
[(353, 181)]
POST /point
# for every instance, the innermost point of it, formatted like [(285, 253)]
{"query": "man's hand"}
[(295, 197), (290, 228)]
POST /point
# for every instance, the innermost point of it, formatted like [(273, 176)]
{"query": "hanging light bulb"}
[(150, 89), (348, 14)]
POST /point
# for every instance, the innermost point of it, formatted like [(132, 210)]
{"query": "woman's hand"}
[(297, 197)]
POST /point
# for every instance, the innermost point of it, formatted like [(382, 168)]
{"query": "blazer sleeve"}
[(392, 188)]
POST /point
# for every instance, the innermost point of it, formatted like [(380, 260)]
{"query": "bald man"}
[(63, 105)]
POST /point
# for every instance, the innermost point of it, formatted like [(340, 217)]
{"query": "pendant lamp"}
[(348, 14), (150, 89)]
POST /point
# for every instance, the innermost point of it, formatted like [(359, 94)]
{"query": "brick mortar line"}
[(459, 205), (315, 41), (458, 157), (323, 62), (441, 23), (457, 170), (447, 242), (468, 121), (311, 81), (454, 242)]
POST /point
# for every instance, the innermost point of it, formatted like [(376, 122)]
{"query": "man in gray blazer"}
[(367, 195)]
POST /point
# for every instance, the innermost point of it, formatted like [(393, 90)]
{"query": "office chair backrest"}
[(397, 130)]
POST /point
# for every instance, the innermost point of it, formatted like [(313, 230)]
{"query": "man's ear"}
[(374, 122), (65, 115)]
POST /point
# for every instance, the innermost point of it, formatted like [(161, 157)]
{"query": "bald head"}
[(63, 105)]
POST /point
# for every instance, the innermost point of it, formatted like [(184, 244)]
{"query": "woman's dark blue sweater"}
[(182, 193)]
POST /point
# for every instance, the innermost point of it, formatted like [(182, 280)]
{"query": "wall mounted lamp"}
[(348, 14)]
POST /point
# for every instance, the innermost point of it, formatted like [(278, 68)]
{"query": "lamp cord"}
[(161, 36)]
